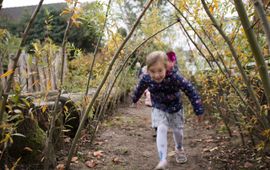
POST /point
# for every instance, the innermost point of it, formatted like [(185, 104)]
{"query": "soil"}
[(126, 142)]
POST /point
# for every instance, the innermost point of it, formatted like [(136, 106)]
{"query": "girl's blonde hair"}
[(156, 56)]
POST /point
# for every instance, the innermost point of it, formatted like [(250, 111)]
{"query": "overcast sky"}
[(16, 3)]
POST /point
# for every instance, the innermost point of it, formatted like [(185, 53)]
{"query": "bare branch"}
[(89, 107), (235, 56), (256, 50)]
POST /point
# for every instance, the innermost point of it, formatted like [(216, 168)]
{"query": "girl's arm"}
[(141, 87), (192, 94)]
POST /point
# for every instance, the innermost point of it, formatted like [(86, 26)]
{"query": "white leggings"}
[(162, 131)]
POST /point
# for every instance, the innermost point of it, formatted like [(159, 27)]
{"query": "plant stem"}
[(89, 107), (1, 2), (221, 70), (96, 49), (263, 17), (48, 149), (256, 50), (235, 56), (15, 61)]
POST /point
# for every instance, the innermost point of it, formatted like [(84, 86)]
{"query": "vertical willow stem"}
[(235, 56), (89, 107), (258, 5), (256, 50)]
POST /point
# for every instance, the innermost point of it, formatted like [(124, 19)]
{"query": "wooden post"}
[(36, 75), (10, 61), (41, 78), (29, 73), (57, 67), (53, 73), (23, 72), (3, 80)]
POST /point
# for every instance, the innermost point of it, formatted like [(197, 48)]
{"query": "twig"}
[(235, 56), (256, 50), (96, 49)]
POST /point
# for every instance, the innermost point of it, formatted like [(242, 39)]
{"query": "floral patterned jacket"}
[(166, 95)]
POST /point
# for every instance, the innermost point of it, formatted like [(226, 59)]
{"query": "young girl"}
[(164, 88), (171, 66), (172, 62)]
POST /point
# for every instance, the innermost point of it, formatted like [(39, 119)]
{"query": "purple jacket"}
[(166, 95)]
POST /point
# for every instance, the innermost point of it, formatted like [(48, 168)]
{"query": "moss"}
[(29, 147)]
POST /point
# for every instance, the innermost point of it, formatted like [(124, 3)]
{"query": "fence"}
[(38, 74)]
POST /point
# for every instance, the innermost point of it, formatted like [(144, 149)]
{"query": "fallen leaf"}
[(116, 160), (213, 149), (99, 143), (60, 167), (98, 154), (198, 140), (89, 154), (172, 153), (209, 140), (90, 164), (75, 159), (248, 165), (67, 140), (206, 150)]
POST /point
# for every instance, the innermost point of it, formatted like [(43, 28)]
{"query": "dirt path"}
[(125, 142)]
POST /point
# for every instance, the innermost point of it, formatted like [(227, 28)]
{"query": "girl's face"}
[(170, 65), (157, 71)]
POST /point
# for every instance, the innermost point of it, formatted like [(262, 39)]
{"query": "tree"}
[(50, 24)]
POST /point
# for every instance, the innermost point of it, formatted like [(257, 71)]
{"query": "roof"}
[(15, 13)]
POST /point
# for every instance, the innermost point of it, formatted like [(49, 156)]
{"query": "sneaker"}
[(180, 156), (148, 103), (161, 165)]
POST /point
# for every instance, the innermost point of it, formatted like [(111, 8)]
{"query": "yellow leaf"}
[(266, 133), (69, 1), (211, 9), (65, 108), (6, 74), (44, 108), (9, 138), (216, 4), (77, 24), (49, 86), (260, 146), (65, 11)]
